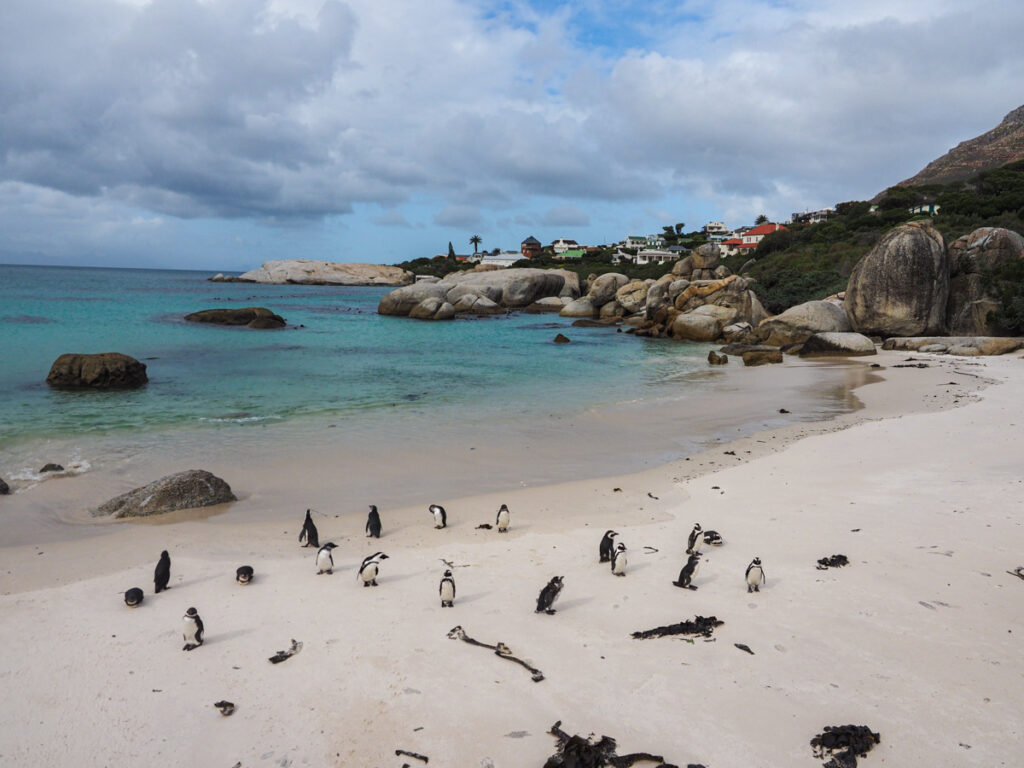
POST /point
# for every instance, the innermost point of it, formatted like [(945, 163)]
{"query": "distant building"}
[(530, 247), (501, 259), (813, 217), (655, 256), (750, 238), (561, 245), (715, 228), (572, 253), (928, 208), (635, 241)]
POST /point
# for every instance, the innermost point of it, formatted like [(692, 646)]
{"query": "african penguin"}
[(619, 560), (243, 574), (689, 571), (607, 546), (308, 536), (548, 595), (447, 590), (502, 519), (324, 558), (696, 540), (162, 574), (133, 597), (713, 538), (755, 575), (368, 570), (373, 523), (440, 516), (192, 629)]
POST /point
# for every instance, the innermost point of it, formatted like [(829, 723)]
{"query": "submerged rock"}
[(51, 467), (107, 370), (251, 317), (184, 490)]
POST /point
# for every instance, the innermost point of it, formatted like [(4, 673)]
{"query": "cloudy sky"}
[(216, 134)]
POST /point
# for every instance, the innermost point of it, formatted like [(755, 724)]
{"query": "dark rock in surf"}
[(107, 370), (251, 317)]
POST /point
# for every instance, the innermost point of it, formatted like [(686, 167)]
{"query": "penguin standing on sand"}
[(502, 520), (447, 590), (619, 560), (368, 570), (243, 574), (192, 629), (440, 516), (755, 575), (373, 523), (689, 571), (133, 597), (548, 595), (696, 540), (162, 574), (324, 559), (607, 547), (308, 536)]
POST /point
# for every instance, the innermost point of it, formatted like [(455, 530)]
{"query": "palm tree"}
[(475, 240)]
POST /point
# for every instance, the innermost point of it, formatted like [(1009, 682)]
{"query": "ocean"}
[(337, 364)]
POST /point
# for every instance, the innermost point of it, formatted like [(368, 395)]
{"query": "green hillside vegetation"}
[(812, 261)]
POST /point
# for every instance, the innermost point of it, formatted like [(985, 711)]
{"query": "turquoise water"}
[(338, 359)]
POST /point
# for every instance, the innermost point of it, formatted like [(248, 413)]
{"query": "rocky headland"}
[(307, 272)]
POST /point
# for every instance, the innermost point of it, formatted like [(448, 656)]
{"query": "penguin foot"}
[(757, 589), (690, 586), (366, 583), (749, 590), (373, 583), (620, 574), (188, 647), (550, 611)]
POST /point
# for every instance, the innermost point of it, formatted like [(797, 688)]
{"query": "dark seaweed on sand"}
[(836, 561), (701, 625), (580, 752), (843, 744)]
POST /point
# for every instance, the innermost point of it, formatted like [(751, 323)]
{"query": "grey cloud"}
[(463, 216), (391, 219), (565, 216)]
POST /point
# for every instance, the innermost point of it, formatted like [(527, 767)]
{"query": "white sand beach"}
[(918, 638)]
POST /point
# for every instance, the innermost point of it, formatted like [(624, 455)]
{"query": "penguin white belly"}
[(369, 573), (189, 629), (324, 561), (619, 565), (447, 592), (503, 521), (755, 577)]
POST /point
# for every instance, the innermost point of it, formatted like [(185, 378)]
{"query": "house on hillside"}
[(501, 259), (635, 241), (570, 255), (813, 217), (929, 209), (748, 240), (655, 256), (561, 245), (530, 247)]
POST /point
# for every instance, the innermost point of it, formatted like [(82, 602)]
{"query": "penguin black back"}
[(243, 574), (308, 536), (440, 516), (133, 597), (696, 540), (607, 546), (548, 595), (373, 523), (162, 574), (686, 575)]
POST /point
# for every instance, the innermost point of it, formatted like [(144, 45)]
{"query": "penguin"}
[(502, 519), (619, 560), (192, 629), (373, 523), (243, 574), (447, 590), (324, 559), (308, 536), (713, 538), (607, 547), (689, 571), (548, 595), (368, 570), (162, 574), (755, 575), (133, 597), (440, 516), (696, 540)]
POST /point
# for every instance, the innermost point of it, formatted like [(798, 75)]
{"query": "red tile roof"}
[(732, 241), (763, 229)]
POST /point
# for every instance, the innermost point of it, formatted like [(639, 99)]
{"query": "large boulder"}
[(837, 344), (683, 267), (251, 317), (433, 308), (696, 327), (604, 287), (307, 272), (583, 307), (185, 490), (959, 345), (969, 305), (632, 296), (900, 287), (511, 288), (611, 311), (107, 370), (762, 357), (478, 305), (804, 320), (402, 300), (707, 256)]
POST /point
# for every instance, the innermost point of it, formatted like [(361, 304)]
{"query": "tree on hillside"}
[(475, 240), (762, 219), (451, 251), (679, 228)]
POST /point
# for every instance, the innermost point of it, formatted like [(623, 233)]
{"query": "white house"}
[(635, 241), (655, 256), (561, 245), (502, 259)]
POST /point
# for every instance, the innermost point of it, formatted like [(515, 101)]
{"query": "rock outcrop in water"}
[(307, 272), (107, 370), (505, 288), (251, 317), (185, 490)]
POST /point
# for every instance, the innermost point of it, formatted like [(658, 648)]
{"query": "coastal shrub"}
[(1006, 284)]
